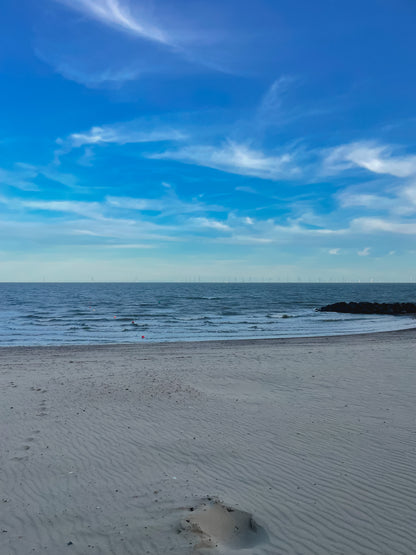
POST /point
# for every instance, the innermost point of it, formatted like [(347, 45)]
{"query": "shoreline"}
[(295, 340), (122, 449)]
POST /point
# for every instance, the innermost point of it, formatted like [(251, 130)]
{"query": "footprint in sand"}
[(219, 525), (42, 409)]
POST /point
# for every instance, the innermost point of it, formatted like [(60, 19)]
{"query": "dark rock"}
[(370, 308)]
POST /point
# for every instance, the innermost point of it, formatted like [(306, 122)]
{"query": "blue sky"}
[(243, 140)]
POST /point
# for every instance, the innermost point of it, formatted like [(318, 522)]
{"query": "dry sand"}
[(302, 446)]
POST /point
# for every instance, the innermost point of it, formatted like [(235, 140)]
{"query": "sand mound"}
[(219, 525)]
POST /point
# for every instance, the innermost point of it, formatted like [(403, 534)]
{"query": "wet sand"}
[(291, 446)]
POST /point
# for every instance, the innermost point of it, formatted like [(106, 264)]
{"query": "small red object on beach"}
[(115, 316), (142, 336)]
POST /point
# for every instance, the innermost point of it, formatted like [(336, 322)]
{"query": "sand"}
[(302, 446)]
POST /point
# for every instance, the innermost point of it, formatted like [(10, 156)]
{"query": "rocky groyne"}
[(370, 308)]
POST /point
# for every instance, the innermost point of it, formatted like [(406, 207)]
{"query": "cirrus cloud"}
[(379, 159), (235, 158), (118, 14)]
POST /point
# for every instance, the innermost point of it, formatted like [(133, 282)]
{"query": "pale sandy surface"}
[(110, 447)]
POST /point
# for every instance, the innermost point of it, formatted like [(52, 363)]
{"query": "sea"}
[(102, 313)]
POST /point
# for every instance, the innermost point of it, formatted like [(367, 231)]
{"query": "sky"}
[(237, 140)]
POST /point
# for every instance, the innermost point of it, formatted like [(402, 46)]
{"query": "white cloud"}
[(117, 14), (59, 232), (409, 197), (85, 72), (85, 232), (153, 38), (269, 109), (334, 251), (110, 209), (122, 229), (235, 158), (364, 252), (133, 132), (399, 199), (130, 246), (370, 156), (166, 205), (249, 190), (88, 209), (372, 225), (210, 223), (246, 240), (366, 200), (23, 176), (19, 179), (123, 133), (140, 204)]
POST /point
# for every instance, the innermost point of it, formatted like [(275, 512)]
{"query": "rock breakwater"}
[(370, 308)]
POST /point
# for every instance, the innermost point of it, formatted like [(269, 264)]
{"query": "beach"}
[(287, 446)]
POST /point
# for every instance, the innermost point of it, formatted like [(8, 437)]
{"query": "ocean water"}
[(97, 313)]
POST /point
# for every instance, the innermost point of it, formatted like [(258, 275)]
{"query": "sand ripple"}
[(311, 443)]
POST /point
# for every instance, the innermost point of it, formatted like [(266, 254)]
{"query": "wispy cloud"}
[(235, 158), (173, 39), (129, 219), (87, 209), (277, 108), (123, 133), (167, 205), (237, 239), (245, 189), (379, 159), (20, 178), (270, 109), (130, 246), (23, 176), (118, 14), (82, 72), (364, 252), (210, 224), (377, 225), (398, 199), (366, 200), (408, 196), (135, 131)]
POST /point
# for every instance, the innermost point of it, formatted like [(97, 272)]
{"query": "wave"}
[(56, 315)]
